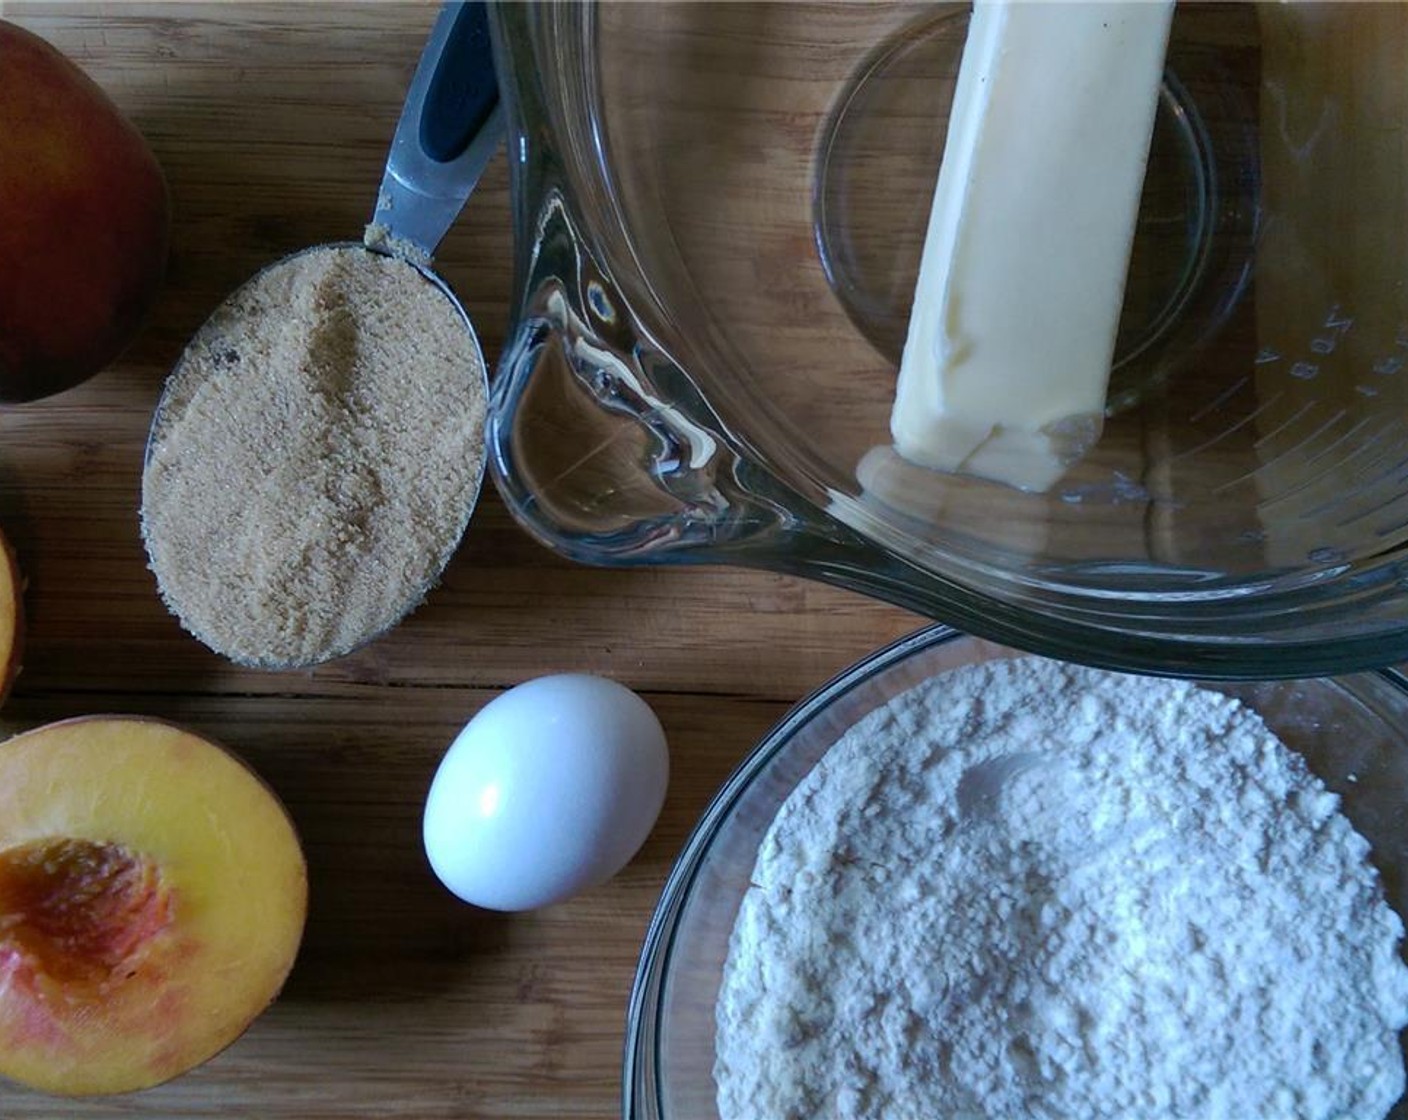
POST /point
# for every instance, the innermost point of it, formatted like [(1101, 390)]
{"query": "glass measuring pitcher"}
[(719, 215)]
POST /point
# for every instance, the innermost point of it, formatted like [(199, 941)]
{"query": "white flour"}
[(1028, 889)]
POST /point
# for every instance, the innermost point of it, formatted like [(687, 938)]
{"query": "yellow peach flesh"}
[(152, 899), (11, 616)]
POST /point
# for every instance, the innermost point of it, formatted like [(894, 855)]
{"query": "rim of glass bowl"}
[(1337, 617), (640, 1080)]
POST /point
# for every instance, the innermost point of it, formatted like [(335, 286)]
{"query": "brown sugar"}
[(316, 459)]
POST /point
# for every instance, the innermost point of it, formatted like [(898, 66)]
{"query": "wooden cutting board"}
[(272, 123)]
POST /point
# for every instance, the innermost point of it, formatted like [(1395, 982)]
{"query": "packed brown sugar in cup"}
[(316, 459)]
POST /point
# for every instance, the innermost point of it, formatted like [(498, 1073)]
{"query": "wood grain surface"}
[(272, 122)]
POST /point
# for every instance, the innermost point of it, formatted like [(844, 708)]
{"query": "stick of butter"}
[(1021, 282)]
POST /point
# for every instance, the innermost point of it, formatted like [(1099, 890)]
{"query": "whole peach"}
[(83, 222)]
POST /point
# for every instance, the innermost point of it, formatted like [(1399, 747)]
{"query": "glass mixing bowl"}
[(719, 213), (1353, 732)]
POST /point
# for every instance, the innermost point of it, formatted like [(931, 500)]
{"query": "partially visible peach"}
[(83, 222), (11, 617), (152, 900)]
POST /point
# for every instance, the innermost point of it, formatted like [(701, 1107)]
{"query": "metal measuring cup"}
[(449, 129)]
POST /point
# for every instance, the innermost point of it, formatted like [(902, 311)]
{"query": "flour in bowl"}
[(1027, 889)]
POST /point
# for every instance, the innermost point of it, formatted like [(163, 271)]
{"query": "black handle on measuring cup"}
[(464, 90)]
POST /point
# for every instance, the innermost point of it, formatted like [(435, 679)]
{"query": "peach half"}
[(11, 617), (152, 900)]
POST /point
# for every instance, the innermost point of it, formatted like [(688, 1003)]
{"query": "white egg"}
[(550, 789)]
